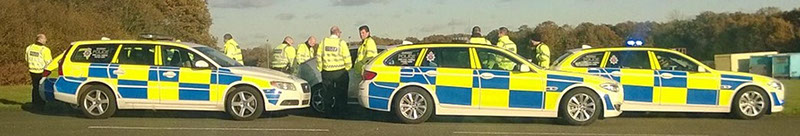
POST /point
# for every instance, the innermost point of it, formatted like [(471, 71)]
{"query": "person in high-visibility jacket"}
[(505, 43), (542, 51), (366, 51), (232, 49), (333, 59), (477, 38), (283, 56), (305, 51), (38, 56)]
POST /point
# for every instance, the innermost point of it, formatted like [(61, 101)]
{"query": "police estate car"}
[(103, 76), (418, 81), (657, 79)]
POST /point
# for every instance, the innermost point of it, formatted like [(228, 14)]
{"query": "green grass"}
[(12, 97), (792, 106)]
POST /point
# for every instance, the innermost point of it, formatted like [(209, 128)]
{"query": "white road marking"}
[(562, 134), (210, 129)]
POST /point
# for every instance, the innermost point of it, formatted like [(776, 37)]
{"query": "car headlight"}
[(776, 85), (613, 87), (282, 85)]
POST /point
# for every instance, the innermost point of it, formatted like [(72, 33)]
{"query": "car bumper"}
[(613, 104), (276, 99), (379, 103)]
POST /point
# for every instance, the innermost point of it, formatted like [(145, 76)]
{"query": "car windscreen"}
[(221, 59)]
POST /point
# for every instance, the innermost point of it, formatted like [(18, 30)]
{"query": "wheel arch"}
[(410, 85), (582, 86), (758, 88)]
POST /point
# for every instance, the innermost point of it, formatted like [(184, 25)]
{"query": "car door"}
[(633, 69), (449, 70), (135, 72), (503, 85), (180, 81), (682, 84)]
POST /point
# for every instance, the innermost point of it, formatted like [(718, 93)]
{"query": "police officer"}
[(542, 51), (333, 59), (477, 38), (504, 41), (367, 50), (305, 50), (283, 56), (38, 56), (232, 49)]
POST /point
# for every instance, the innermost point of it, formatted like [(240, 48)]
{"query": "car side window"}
[(403, 58), (451, 57), (589, 60), (178, 57), (671, 61), (137, 54), (628, 59), (492, 59), (95, 53)]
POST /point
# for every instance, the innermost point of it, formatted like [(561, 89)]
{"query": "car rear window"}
[(403, 58), (94, 53)]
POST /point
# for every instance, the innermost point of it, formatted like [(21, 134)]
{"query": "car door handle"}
[(119, 72), (169, 74), (431, 73), (487, 75), (666, 76), (616, 73)]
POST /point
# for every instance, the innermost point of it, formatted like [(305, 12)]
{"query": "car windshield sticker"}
[(613, 59), (100, 53), (87, 53), (430, 56), (406, 57)]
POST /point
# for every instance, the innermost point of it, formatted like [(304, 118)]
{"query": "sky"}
[(257, 22)]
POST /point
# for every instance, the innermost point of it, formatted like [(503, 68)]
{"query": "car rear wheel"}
[(244, 103), (579, 107), (412, 105), (749, 103), (97, 102)]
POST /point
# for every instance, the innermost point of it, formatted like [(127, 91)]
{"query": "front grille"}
[(305, 87), (289, 102)]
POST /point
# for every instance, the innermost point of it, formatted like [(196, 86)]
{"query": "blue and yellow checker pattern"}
[(711, 88), (465, 87), (156, 83)]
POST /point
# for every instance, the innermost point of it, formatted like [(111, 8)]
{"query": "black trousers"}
[(36, 99), (336, 83)]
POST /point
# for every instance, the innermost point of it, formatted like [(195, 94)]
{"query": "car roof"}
[(181, 44), (430, 45), (622, 49)]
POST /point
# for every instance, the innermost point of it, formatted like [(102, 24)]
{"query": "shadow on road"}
[(10, 102), (630, 114), (358, 113)]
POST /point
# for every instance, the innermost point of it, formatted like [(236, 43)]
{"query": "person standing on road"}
[(283, 56), (305, 51), (366, 51), (542, 51), (333, 60), (38, 56), (477, 38), (232, 49)]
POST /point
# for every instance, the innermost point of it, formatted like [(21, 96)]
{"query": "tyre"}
[(97, 102), (244, 103), (749, 103), (318, 102), (579, 107), (412, 105)]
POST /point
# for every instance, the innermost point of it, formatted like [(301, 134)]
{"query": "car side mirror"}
[(701, 69), (524, 68), (201, 64)]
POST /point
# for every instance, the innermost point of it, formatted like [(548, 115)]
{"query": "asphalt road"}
[(364, 122)]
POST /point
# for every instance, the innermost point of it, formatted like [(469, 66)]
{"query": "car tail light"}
[(369, 75)]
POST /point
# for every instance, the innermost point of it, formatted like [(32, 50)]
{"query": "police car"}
[(656, 79), (418, 81), (101, 77)]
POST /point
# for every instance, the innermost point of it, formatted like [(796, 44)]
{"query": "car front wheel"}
[(244, 103), (579, 107), (749, 103)]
